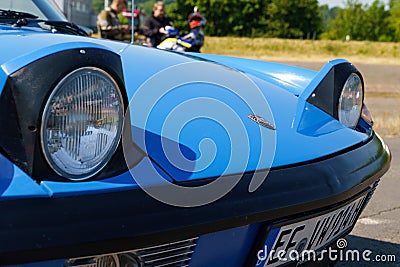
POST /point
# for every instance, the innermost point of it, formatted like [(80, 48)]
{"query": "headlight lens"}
[(351, 101), (82, 123)]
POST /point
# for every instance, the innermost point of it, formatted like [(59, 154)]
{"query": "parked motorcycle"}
[(174, 41), (192, 41)]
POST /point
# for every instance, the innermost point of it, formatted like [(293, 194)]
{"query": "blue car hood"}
[(195, 114), (290, 78), (200, 116)]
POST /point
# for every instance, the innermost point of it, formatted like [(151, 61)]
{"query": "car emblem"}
[(260, 120)]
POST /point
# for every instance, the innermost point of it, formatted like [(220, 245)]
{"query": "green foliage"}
[(147, 5), (179, 12), (293, 19), (394, 20), (377, 21), (327, 16), (296, 19), (275, 18), (351, 21), (224, 17), (97, 5), (363, 22)]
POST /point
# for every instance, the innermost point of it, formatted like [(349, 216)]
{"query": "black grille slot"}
[(167, 255)]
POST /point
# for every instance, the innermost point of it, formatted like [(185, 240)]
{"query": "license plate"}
[(286, 242)]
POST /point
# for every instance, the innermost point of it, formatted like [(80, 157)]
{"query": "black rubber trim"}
[(68, 227), (326, 95)]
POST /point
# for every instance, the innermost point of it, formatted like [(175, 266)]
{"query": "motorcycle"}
[(174, 41)]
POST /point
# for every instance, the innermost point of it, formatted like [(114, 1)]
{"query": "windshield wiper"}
[(53, 26), (66, 27), (11, 14)]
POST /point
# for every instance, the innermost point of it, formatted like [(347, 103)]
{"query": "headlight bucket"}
[(341, 94), (21, 139), (82, 123)]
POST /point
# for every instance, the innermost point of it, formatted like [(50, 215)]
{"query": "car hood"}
[(290, 78), (195, 114), (199, 116)]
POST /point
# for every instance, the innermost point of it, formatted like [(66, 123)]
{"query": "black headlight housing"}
[(329, 94), (23, 100)]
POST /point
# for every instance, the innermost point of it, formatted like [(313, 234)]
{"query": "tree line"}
[(295, 19)]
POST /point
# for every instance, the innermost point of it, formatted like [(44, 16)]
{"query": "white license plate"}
[(287, 241)]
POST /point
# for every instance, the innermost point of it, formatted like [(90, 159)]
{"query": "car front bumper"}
[(42, 229)]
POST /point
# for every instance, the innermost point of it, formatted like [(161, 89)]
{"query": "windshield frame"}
[(48, 9)]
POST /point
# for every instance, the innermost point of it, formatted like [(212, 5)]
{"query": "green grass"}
[(309, 50), (387, 124)]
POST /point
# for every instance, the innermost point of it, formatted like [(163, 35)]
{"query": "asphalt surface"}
[(378, 77), (378, 228), (377, 232)]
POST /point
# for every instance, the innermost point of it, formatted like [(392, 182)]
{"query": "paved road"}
[(378, 77), (378, 228)]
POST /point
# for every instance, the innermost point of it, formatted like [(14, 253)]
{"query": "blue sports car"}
[(114, 154)]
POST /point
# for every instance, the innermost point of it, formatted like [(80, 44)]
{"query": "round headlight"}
[(82, 123), (351, 101)]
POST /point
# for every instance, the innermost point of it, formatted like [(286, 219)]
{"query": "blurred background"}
[(371, 20)]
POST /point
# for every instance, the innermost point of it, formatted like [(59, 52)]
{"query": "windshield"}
[(44, 9)]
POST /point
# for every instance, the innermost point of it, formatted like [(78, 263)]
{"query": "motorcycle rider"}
[(196, 35), (154, 26)]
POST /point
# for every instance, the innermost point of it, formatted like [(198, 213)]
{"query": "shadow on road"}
[(376, 252)]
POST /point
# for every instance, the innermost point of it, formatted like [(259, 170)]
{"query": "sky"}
[(341, 3)]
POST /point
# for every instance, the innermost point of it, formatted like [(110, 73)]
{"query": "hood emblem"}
[(260, 120)]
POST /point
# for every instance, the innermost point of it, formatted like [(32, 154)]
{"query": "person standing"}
[(154, 26), (108, 22)]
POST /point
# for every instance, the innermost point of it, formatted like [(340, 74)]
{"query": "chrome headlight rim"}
[(45, 115), (357, 100)]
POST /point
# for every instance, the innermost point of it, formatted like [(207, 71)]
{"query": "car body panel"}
[(300, 125), (39, 46), (307, 132), (134, 219), (122, 182), (14, 183), (293, 79), (191, 121), (235, 240), (43, 9)]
